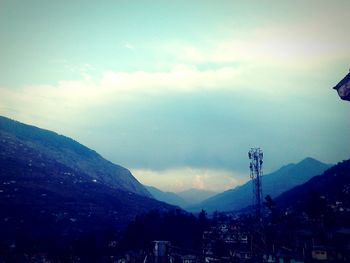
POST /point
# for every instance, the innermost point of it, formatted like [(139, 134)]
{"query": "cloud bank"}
[(180, 179)]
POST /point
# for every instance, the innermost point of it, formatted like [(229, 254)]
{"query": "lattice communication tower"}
[(256, 161)]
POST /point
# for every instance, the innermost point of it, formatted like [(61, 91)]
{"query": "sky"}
[(179, 91)]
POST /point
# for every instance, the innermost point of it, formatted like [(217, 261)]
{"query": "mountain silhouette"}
[(167, 197), (273, 184), (54, 190), (333, 185), (194, 195)]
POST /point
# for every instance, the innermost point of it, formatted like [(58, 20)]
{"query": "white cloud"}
[(275, 62), (181, 78), (184, 178), (267, 61), (305, 42), (127, 45), (71, 100), (73, 96)]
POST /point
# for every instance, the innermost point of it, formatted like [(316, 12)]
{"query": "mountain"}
[(183, 199), (193, 196), (291, 175), (273, 184), (333, 185), (167, 197), (69, 153), (55, 192)]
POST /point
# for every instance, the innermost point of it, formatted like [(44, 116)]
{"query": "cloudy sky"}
[(179, 91)]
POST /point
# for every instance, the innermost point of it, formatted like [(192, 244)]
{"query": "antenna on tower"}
[(256, 161)]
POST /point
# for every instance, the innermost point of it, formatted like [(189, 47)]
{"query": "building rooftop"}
[(343, 88)]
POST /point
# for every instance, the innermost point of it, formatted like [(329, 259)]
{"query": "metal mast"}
[(256, 161)]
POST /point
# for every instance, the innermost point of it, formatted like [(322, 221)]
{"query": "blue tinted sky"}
[(178, 91)]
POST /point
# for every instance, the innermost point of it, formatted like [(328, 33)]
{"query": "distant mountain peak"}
[(273, 184), (304, 163), (196, 190), (167, 197), (310, 162), (309, 159), (331, 184)]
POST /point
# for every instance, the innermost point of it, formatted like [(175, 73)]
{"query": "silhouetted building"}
[(161, 251)]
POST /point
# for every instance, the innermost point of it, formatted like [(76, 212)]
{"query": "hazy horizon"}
[(179, 91)]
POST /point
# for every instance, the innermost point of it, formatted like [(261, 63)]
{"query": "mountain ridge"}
[(333, 184), (273, 184), (167, 197), (195, 195), (52, 197), (72, 154)]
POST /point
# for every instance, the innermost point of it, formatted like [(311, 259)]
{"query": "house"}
[(161, 251), (343, 88), (319, 253), (189, 259)]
